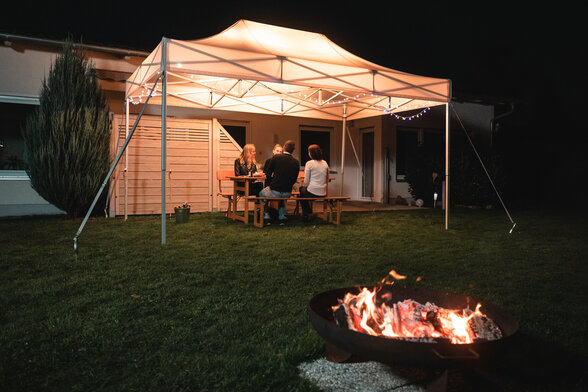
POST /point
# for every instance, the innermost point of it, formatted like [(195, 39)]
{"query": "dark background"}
[(530, 56)]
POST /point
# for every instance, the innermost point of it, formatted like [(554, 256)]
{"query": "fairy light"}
[(408, 118), (144, 93)]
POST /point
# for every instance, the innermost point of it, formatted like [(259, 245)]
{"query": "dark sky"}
[(483, 48)]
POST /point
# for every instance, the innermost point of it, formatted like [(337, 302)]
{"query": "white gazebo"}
[(259, 68)]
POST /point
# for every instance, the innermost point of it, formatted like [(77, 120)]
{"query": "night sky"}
[(532, 57)]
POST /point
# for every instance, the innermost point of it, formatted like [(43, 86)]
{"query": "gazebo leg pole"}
[(343, 148), (163, 137), (447, 155)]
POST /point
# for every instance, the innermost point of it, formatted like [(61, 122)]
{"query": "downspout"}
[(494, 122)]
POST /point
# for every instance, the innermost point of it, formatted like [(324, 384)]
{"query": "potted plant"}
[(182, 213)]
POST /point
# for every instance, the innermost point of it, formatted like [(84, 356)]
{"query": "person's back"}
[(283, 170), (316, 176)]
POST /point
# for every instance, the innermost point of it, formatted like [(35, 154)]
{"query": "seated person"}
[(316, 177), (283, 171), (273, 206), (245, 165)]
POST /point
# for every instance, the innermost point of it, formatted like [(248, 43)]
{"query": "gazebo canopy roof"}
[(260, 68)]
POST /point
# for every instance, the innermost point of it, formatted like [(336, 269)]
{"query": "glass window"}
[(407, 141), (238, 133), (12, 120), (315, 135)]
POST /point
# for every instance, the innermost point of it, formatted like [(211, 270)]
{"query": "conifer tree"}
[(67, 137)]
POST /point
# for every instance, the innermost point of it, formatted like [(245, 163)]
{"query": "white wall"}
[(18, 198)]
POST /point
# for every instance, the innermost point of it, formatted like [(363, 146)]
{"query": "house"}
[(202, 141)]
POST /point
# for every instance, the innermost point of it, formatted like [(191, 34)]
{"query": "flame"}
[(378, 315), (396, 275)]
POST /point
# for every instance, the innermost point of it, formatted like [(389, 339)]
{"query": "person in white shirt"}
[(316, 177)]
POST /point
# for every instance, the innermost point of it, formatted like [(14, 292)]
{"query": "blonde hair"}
[(246, 158)]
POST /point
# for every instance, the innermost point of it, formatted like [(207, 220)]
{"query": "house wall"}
[(263, 130), (23, 66), (18, 198)]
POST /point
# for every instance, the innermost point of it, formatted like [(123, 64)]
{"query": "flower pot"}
[(182, 215)]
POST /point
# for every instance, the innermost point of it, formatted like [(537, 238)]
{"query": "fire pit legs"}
[(335, 354), (438, 382)]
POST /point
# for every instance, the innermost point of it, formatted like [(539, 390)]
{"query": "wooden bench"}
[(332, 207)]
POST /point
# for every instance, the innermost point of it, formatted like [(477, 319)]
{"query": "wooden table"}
[(246, 180)]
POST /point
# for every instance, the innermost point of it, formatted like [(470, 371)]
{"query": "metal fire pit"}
[(439, 354)]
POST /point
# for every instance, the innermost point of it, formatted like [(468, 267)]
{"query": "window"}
[(238, 133), (315, 135), (367, 162), (434, 143), (406, 145), (12, 120), (412, 143)]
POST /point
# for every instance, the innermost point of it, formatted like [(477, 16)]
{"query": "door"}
[(367, 163)]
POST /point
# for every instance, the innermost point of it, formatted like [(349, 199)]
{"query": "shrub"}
[(67, 137), (469, 184)]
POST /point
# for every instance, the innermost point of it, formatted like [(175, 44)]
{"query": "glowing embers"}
[(376, 312)]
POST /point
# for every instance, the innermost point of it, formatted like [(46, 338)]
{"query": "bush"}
[(469, 184), (67, 137)]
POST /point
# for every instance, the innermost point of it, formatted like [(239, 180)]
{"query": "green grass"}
[(223, 306)]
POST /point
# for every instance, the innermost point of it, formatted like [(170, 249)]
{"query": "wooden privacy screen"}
[(195, 150)]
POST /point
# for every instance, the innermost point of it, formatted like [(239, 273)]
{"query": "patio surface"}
[(353, 205)]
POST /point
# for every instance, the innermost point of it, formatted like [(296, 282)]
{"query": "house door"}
[(367, 163)]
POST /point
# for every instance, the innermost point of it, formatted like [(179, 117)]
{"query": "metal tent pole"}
[(343, 148), (116, 160), (126, 171), (447, 166), (163, 135)]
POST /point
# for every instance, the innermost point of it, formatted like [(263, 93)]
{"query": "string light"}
[(144, 93), (408, 118)]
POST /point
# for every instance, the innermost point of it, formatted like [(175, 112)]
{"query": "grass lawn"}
[(223, 306)]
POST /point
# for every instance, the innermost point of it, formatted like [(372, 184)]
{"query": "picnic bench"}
[(331, 212)]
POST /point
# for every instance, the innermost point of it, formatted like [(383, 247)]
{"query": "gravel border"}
[(361, 376)]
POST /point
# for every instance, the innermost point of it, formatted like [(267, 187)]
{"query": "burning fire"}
[(376, 314)]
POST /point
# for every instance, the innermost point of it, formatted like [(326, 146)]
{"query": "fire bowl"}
[(433, 353)]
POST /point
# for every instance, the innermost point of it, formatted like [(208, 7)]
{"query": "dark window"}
[(367, 164), (238, 133), (308, 137), (406, 145), (12, 119), (434, 143)]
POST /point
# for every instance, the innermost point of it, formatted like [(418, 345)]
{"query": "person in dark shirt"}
[(282, 172), (273, 206), (275, 151)]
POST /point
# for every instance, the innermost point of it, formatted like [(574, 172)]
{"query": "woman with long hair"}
[(316, 177), (245, 165)]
